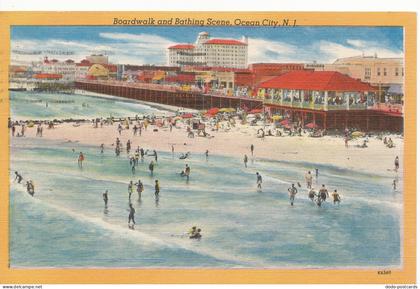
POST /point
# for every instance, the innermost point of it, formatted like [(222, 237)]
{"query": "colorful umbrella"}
[(357, 134), (285, 122), (227, 109), (187, 115), (277, 117), (256, 110), (213, 111), (311, 125)]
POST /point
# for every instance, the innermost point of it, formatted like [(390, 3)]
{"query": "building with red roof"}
[(322, 90), (225, 42), (182, 46), (211, 52), (47, 76), (325, 99), (317, 81)]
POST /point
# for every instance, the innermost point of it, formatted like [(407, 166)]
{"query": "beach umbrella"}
[(187, 115), (213, 111), (357, 134), (256, 110), (311, 125), (285, 122), (277, 117), (227, 109)]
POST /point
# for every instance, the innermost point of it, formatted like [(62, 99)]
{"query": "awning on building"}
[(396, 89)]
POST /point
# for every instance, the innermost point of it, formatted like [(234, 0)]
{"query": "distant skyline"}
[(148, 45)]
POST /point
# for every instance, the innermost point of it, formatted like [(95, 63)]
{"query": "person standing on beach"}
[(173, 150), (102, 148), (316, 173), (120, 128), (397, 163), (246, 161), (292, 193), (80, 159), (134, 130), (157, 189), (259, 181), (207, 155), (252, 150), (105, 198), (128, 146), (142, 154), (22, 130), (131, 214), (308, 179), (170, 127), (13, 130)]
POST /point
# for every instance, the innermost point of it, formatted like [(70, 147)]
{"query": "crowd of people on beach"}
[(139, 125)]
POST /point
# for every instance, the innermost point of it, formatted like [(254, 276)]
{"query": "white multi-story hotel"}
[(208, 51), (67, 69)]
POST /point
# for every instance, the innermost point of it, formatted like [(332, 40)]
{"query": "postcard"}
[(172, 147)]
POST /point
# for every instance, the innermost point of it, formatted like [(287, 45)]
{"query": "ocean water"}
[(65, 223), (26, 105)]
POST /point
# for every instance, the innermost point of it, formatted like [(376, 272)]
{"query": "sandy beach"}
[(328, 150)]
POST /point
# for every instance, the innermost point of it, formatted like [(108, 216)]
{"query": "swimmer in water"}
[(196, 235), (157, 189), (292, 193), (130, 189), (18, 177), (259, 181), (336, 197), (131, 214), (312, 194), (105, 198)]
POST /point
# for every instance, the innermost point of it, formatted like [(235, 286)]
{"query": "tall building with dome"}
[(213, 52)]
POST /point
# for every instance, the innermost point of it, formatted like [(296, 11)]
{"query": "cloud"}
[(264, 50), (331, 50), (125, 48), (143, 48)]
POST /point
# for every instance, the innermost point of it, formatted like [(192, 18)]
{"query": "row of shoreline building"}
[(214, 65)]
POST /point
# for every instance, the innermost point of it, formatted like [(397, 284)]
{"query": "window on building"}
[(367, 73), (379, 72), (384, 71), (402, 71), (396, 71)]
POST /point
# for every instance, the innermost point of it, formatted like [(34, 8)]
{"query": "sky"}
[(148, 45)]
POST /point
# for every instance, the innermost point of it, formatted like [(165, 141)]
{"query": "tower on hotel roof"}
[(206, 51)]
